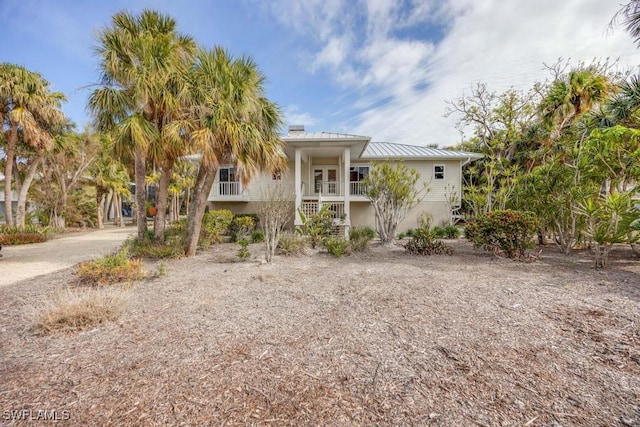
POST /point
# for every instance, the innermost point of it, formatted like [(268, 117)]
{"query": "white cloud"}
[(293, 116), (379, 53)]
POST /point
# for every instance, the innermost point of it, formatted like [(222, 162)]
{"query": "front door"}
[(325, 180)]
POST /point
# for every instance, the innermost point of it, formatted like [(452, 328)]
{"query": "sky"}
[(380, 68)]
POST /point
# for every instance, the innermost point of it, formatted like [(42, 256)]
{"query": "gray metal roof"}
[(385, 150), (322, 135)]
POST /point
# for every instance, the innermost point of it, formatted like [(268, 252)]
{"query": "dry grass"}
[(74, 311), (376, 338), (111, 269)]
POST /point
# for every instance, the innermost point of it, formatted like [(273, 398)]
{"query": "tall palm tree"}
[(230, 121), (142, 60), (28, 112)]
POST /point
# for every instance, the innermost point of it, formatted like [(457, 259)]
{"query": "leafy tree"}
[(29, 111), (143, 60), (64, 169), (392, 191)]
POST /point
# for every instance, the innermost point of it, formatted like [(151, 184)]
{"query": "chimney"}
[(296, 129)]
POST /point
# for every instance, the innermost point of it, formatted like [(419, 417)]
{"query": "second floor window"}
[(438, 172), (357, 174)]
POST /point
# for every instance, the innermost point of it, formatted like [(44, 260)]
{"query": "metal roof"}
[(393, 150), (322, 135)]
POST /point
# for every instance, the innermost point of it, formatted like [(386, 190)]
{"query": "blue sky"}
[(381, 68)]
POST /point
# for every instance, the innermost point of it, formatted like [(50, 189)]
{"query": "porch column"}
[(347, 189), (298, 185)]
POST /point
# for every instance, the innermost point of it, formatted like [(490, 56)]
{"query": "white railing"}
[(309, 208), (357, 188), (225, 188), (329, 188), (312, 208)]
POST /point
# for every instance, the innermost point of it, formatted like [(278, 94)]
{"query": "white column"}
[(298, 185), (347, 188)]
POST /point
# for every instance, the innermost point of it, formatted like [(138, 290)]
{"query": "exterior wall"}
[(434, 201), (362, 214)]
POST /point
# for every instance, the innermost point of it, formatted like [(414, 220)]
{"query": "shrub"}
[(243, 252), (503, 232), (73, 311), (14, 235), (451, 232), (423, 243), (214, 225), (241, 227), (359, 238), (402, 235), (111, 269), (257, 236), (438, 232), (292, 244), (336, 246), (317, 226), (172, 247)]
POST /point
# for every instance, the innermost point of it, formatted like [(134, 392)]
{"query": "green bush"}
[(30, 233), (505, 232), (243, 252), (402, 235), (359, 238), (214, 225), (241, 227), (318, 226), (292, 244), (424, 243), (257, 236), (438, 232), (451, 232), (336, 246), (173, 247)]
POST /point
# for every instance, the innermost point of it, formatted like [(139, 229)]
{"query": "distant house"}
[(329, 168)]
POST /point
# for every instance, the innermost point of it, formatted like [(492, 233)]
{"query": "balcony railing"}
[(357, 188), (312, 208), (330, 188), (226, 188)]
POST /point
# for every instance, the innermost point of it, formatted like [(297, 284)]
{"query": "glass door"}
[(325, 180)]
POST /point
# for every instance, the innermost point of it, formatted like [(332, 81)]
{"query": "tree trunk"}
[(10, 154), (161, 201), (24, 190), (108, 205), (140, 163), (99, 196), (120, 213), (204, 181)]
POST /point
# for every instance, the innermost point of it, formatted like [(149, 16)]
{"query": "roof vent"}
[(296, 129)]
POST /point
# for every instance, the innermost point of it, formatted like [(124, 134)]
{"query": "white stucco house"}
[(329, 168)]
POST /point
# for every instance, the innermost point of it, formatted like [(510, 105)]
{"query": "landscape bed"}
[(378, 338)]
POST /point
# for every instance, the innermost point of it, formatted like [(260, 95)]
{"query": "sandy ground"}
[(28, 261), (380, 338)]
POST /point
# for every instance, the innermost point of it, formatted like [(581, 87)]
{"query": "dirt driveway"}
[(28, 261)]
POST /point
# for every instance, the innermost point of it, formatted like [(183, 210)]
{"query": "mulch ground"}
[(380, 338)]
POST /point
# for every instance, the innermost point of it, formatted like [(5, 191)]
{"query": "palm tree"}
[(142, 60), (629, 17), (230, 121), (28, 111)]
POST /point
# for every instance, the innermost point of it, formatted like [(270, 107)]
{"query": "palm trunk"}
[(10, 153), (140, 166), (24, 190), (161, 201), (204, 181), (99, 196)]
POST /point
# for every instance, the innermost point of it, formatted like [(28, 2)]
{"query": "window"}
[(276, 176), (357, 174), (438, 172)]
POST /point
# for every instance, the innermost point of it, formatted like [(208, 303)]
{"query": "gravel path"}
[(28, 261)]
